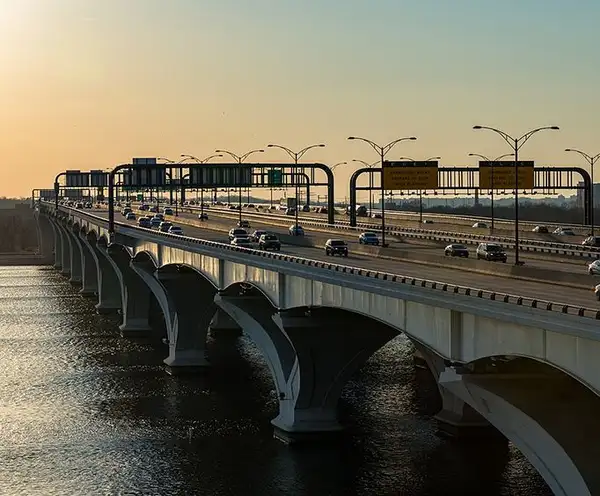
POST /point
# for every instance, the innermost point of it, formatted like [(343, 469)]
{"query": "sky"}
[(88, 84)]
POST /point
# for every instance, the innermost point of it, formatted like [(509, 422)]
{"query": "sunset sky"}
[(87, 84)]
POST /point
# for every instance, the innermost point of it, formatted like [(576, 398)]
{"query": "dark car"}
[(269, 241), (243, 223), (155, 221), (456, 250), (368, 238), (144, 222), (336, 247), (491, 252), (540, 229)]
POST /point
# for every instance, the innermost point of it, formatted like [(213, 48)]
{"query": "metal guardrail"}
[(383, 276)]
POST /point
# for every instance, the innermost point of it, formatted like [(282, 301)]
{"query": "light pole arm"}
[(305, 149), (523, 139), (376, 147), (391, 144), (232, 155), (293, 155), (507, 137), (246, 155)]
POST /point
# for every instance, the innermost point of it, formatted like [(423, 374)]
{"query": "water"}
[(86, 412)]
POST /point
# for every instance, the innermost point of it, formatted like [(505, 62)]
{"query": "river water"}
[(86, 412)]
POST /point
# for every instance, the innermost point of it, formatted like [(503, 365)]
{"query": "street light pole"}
[(200, 161), (240, 159), (295, 157), (592, 161), (420, 191), (516, 144), (382, 150), (491, 162), (366, 164)]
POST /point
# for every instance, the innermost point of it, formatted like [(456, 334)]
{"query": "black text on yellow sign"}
[(410, 175), (502, 175)]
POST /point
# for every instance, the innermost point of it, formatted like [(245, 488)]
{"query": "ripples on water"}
[(85, 412)]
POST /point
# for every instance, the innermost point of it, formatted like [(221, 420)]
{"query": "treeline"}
[(19, 233), (529, 212)]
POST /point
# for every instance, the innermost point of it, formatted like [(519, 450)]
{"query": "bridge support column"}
[(456, 418), (311, 355), (89, 267), (222, 323), (186, 300), (109, 288), (65, 261), (135, 294), (550, 418), (76, 277), (46, 238), (57, 243)]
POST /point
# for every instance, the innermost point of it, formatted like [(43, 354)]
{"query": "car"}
[(165, 226), (257, 234), (290, 211), (540, 229), (125, 211), (153, 209), (591, 241), (594, 268), (336, 247), (368, 238), (480, 225), (296, 230), (79, 205), (243, 241), (144, 222), (269, 241), (159, 216), (243, 223), (130, 216), (563, 231), (176, 230), (427, 221), (144, 207), (456, 250), (491, 252), (597, 292), (376, 216), (168, 211), (203, 216), (237, 232), (155, 221)]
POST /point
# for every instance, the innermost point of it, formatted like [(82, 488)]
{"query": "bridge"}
[(526, 367)]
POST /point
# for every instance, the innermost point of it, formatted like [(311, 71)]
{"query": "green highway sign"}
[(140, 197), (275, 177)]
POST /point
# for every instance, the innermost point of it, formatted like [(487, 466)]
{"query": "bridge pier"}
[(65, 261), (135, 294), (456, 418), (57, 243), (76, 276), (109, 288), (186, 300), (222, 324), (311, 355), (89, 267), (550, 417)]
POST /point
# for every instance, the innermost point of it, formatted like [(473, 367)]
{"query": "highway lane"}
[(505, 231), (427, 247), (531, 289)]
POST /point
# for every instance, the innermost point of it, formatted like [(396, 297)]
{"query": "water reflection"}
[(85, 412)]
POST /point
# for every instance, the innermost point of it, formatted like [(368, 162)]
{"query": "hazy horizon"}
[(88, 84)]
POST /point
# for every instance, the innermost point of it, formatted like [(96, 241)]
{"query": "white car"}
[(563, 231), (594, 268), (176, 230), (480, 225)]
